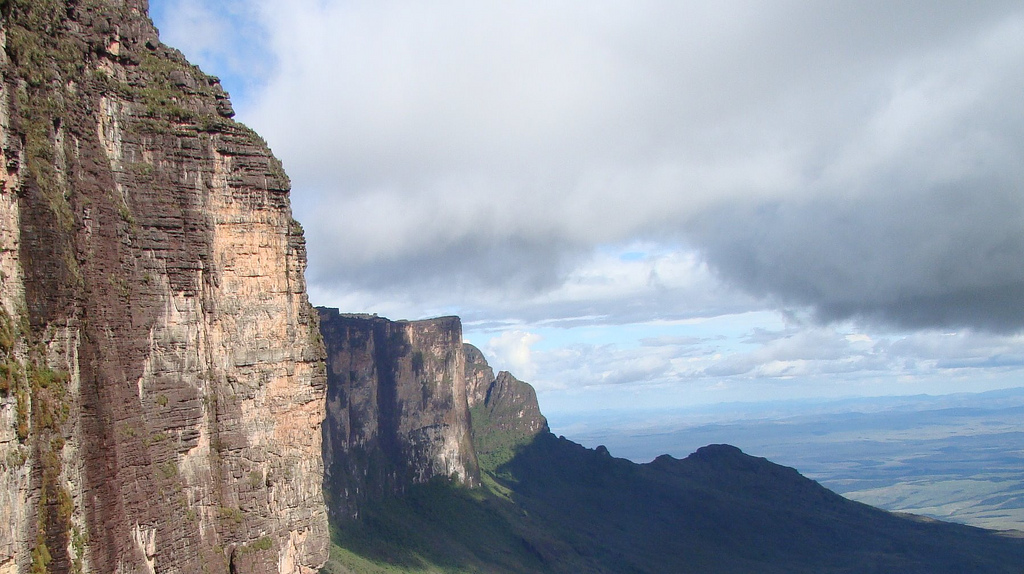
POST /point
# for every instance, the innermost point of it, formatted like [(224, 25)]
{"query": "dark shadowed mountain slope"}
[(720, 510)]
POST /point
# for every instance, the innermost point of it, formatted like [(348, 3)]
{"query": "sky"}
[(655, 204)]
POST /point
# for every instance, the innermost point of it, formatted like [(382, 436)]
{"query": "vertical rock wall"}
[(479, 375), (397, 412), (161, 372)]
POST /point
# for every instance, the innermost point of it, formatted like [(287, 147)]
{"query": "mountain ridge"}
[(547, 504)]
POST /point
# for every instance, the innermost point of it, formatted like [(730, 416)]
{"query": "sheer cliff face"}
[(479, 375), (161, 375), (397, 412)]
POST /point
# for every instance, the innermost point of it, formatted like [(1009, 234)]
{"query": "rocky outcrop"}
[(512, 406), (507, 417), (397, 412), (161, 374)]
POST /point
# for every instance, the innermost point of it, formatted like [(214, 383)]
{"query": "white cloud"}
[(194, 27), (511, 351), (837, 356)]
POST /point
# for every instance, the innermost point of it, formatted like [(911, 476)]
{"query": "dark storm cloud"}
[(466, 263), (949, 256)]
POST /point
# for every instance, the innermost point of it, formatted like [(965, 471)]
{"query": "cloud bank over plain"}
[(565, 165)]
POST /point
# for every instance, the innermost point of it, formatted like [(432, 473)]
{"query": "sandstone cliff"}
[(397, 412), (161, 374)]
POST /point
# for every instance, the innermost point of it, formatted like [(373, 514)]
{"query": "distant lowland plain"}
[(952, 457)]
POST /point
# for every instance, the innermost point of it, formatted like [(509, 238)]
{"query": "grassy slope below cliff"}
[(558, 507)]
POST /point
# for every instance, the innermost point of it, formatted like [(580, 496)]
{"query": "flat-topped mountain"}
[(397, 410)]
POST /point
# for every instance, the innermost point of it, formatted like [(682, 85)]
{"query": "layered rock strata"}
[(397, 412), (161, 373)]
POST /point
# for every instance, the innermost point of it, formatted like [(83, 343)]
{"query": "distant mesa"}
[(397, 409)]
